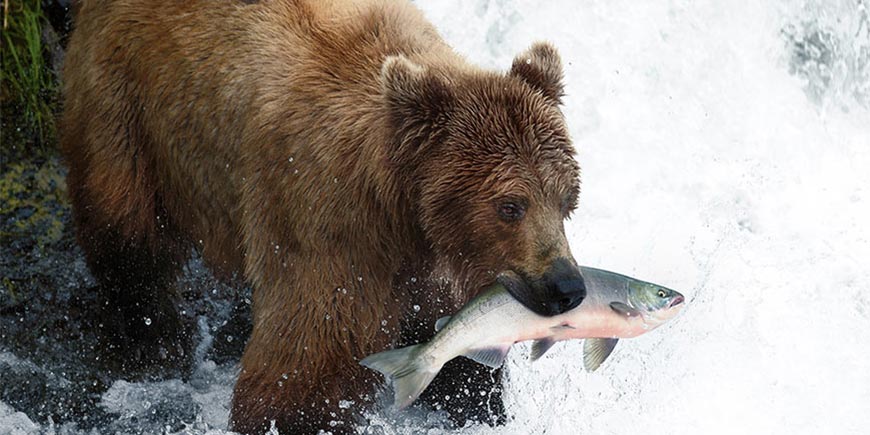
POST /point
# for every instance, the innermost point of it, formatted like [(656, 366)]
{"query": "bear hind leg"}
[(135, 255)]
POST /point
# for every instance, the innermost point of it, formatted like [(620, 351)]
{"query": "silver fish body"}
[(616, 306)]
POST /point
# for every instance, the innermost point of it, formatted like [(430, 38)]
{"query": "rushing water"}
[(725, 149)]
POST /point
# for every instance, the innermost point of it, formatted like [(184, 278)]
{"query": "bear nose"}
[(559, 289), (569, 293), (564, 286)]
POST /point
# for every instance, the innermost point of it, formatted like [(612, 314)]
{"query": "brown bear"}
[(358, 174)]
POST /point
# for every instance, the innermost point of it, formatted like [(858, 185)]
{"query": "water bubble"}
[(413, 279), (345, 404), (290, 159), (416, 308), (148, 321)]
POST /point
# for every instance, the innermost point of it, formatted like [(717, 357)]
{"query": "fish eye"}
[(662, 293)]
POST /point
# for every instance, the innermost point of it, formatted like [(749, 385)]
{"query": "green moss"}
[(28, 87)]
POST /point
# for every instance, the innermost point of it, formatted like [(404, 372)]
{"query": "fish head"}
[(656, 304)]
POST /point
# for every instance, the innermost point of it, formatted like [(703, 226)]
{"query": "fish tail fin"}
[(407, 373)]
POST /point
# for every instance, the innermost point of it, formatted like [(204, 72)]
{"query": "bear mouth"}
[(559, 289), (542, 296)]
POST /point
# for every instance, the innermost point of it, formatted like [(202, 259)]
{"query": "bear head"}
[(492, 168)]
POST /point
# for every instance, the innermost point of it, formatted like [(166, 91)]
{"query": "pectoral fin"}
[(596, 350), (624, 309), (540, 347), (440, 323), (490, 356)]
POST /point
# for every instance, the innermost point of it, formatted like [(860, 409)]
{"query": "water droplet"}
[(148, 321), (413, 279), (290, 160), (416, 308), (345, 404), (229, 338)]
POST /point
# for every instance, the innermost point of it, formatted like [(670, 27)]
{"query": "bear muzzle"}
[(559, 289)]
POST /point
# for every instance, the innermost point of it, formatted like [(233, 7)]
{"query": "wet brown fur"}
[(327, 150)]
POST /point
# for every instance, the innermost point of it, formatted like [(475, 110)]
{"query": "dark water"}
[(50, 359)]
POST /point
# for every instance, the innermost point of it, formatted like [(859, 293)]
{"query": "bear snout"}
[(559, 289)]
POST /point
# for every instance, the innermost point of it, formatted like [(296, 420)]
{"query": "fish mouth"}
[(676, 301)]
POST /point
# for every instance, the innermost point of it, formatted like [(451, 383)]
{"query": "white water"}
[(714, 164)]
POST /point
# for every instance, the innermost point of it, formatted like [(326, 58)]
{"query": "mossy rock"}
[(33, 203)]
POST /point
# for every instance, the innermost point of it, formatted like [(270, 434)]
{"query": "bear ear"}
[(541, 67), (417, 103)]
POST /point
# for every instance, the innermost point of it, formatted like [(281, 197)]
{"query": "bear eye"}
[(662, 293), (511, 211)]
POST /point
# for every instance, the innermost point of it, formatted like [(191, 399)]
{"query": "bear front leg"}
[(301, 397), (313, 321)]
